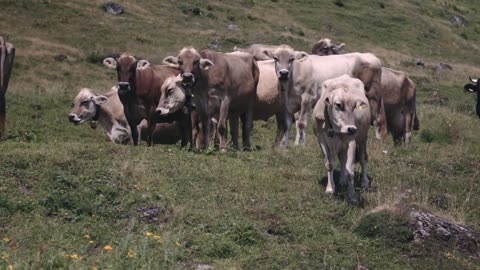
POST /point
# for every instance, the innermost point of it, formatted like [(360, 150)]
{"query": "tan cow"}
[(399, 97), (228, 77), (341, 121), (260, 51), (139, 86), (325, 46), (398, 92), (301, 76), (7, 55), (107, 111)]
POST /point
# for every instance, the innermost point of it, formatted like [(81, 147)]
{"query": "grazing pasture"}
[(71, 199)]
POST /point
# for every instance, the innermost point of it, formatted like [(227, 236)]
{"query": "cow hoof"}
[(329, 191)]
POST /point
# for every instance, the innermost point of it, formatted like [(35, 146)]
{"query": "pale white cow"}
[(341, 121)]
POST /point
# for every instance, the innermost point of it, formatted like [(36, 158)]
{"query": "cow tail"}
[(3, 53)]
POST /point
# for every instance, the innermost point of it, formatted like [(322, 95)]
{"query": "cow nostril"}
[(351, 130), (71, 116)]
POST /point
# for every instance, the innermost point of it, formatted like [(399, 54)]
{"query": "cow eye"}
[(275, 59), (180, 62), (85, 103), (339, 106), (196, 62), (169, 91), (291, 59)]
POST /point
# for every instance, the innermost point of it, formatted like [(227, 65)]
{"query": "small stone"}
[(233, 27), (113, 8)]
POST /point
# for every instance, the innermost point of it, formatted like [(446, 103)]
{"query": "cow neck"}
[(106, 119), (142, 82), (93, 122)]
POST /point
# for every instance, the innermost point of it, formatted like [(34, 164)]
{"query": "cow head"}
[(190, 63), (284, 59), (474, 88), (126, 66), (172, 97), (325, 46), (86, 107), (341, 109)]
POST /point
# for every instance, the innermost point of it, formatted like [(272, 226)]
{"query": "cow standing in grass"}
[(301, 76), (139, 85), (398, 94), (230, 78), (7, 55), (341, 120), (474, 88)]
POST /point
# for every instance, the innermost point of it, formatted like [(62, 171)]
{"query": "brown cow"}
[(399, 98), (139, 85), (7, 54), (228, 77)]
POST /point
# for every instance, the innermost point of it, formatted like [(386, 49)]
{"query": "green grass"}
[(260, 210)]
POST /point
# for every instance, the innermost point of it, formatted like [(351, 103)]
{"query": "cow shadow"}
[(341, 192)]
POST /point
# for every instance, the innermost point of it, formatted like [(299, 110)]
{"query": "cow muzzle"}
[(162, 111), (283, 74), (188, 78), (124, 86), (74, 118)]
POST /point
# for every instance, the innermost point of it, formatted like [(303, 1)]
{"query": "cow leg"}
[(342, 158), (3, 112), (363, 158), (222, 123), (302, 121), (204, 121), (349, 166), (150, 130), (300, 138), (247, 125), (329, 165), (134, 131), (234, 131), (408, 125)]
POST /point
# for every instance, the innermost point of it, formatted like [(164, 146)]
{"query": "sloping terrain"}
[(66, 192)]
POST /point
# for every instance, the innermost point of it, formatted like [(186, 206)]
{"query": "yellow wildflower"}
[(86, 236), (91, 242), (74, 256), (10, 267), (107, 248), (157, 237), (131, 253), (148, 234), (94, 268), (178, 244), (6, 239)]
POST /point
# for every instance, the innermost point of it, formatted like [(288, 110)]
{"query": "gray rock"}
[(233, 27), (113, 8), (459, 21)]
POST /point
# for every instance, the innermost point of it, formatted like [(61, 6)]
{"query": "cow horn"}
[(2, 61), (472, 80)]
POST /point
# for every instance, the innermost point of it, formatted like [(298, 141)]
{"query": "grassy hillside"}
[(66, 192)]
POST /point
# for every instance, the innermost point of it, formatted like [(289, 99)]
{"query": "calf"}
[(139, 86), (474, 88), (107, 111), (341, 120), (7, 54), (227, 77)]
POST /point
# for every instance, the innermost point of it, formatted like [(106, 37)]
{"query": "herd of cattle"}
[(194, 92)]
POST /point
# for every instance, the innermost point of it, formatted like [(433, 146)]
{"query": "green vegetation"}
[(66, 192)]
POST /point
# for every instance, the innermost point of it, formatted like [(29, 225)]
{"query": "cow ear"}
[(110, 63), (301, 56), (206, 64), (99, 100), (171, 61), (470, 87), (339, 47), (143, 64), (268, 54)]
